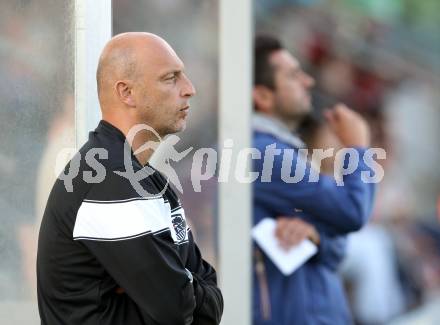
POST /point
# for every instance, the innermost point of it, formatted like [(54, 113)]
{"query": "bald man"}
[(115, 249)]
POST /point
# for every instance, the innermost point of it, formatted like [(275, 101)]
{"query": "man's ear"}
[(263, 98), (124, 91)]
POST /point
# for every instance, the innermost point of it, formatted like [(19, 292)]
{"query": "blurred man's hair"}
[(264, 46)]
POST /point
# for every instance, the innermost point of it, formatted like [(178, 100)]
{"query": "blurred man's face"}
[(292, 98), (163, 91)]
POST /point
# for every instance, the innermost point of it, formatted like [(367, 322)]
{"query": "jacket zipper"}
[(264, 287)]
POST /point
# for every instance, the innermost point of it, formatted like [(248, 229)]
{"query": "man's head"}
[(141, 80), (281, 87)]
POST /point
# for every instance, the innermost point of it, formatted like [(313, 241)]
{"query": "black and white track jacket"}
[(107, 255)]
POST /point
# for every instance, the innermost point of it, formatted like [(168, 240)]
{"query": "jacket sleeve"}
[(331, 250), (342, 208), (208, 296), (145, 264)]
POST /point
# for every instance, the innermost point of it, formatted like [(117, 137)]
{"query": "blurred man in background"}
[(320, 211)]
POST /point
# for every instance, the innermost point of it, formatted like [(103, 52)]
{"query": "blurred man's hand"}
[(291, 231), (351, 129)]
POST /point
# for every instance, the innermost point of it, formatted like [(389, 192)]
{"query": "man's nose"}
[(188, 89), (308, 80)]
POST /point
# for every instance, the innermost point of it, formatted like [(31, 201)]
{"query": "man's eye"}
[(172, 78)]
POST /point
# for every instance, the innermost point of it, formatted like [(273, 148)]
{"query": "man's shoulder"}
[(101, 149), (105, 168)]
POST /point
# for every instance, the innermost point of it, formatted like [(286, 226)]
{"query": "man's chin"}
[(177, 128), (182, 125), (182, 128)]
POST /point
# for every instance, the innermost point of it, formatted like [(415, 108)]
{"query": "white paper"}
[(286, 260)]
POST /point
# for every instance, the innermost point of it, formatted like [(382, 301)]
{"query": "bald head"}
[(121, 58), (142, 80)]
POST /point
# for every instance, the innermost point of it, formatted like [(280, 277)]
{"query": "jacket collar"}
[(267, 124), (109, 129), (112, 132)]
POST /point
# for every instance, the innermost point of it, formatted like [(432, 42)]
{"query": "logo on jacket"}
[(179, 225)]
